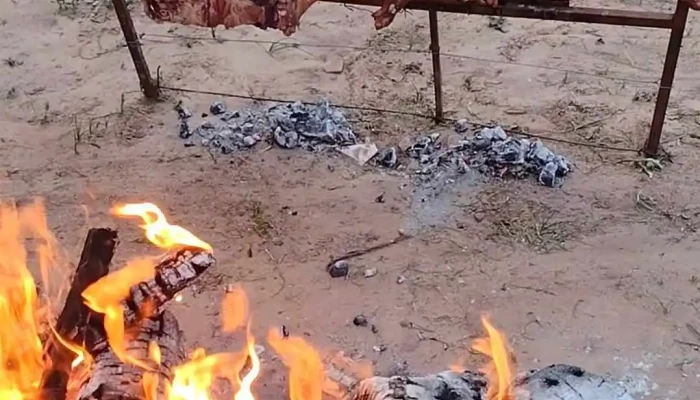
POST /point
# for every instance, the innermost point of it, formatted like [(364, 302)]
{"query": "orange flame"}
[(499, 370), (307, 380), (193, 380), (81, 356), (234, 310), (106, 295), (245, 393), (22, 312), (158, 230), (21, 363), (150, 379)]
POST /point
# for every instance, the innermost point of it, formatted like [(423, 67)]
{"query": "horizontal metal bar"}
[(570, 14)]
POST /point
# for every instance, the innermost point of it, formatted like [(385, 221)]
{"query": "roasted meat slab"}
[(277, 14)]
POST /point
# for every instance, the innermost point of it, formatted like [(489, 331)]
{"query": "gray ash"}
[(490, 151), (313, 127)]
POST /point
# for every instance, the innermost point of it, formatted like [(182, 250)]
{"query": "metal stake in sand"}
[(437, 71)]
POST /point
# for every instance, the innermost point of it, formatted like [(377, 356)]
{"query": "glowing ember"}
[(499, 370), (157, 228)]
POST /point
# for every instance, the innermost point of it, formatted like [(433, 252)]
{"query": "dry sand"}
[(581, 275)]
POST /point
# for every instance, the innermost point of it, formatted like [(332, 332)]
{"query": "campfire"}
[(114, 339)]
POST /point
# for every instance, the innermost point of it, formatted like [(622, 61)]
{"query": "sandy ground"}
[(583, 274)]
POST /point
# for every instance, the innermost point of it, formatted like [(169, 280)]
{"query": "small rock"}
[(370, 272), (229, 115), (287, 140), (334, 65), (387, 157), (182, 111), (400, 279), (185, 131), (217, 108), (339, 269), (248, 128), (396, 76), (379, 349), (548, 175), (359, 320), (379, 199), (375, 329), (249, 141), (462, 125)]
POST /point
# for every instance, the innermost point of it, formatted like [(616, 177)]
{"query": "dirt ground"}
[(601, 273)]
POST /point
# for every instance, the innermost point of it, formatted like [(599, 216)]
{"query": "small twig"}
[(77, 135), (358, 253), (695, 346), (211, 154), (693, 329), (574, 310), (538, 290), (533, 320), (664, 308), (276, 266)]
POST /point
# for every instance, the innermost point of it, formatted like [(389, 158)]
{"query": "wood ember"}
[(73, 320), (113, 380), (145, 321), (174, 273), (555, 382)]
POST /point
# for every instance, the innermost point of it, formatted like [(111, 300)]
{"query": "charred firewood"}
[(555, 382), (111, 379), (75, 317), (174, 273), (146, 322)]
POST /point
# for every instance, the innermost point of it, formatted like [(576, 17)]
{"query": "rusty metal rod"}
[(437, 70), (150, 90), (568, 14), (651, 148)]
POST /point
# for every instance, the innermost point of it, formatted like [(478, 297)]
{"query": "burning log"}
[(174, 273), (75, 317), (555, 382), (112, 379)]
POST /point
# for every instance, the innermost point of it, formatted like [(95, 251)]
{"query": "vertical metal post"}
[(150, 90), (437, 71), (651, 148)]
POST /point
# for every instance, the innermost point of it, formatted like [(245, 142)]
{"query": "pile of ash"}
[(295, 125), (490, 151), (316, 127)]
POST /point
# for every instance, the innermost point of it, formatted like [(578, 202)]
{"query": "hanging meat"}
[(277, 14)]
